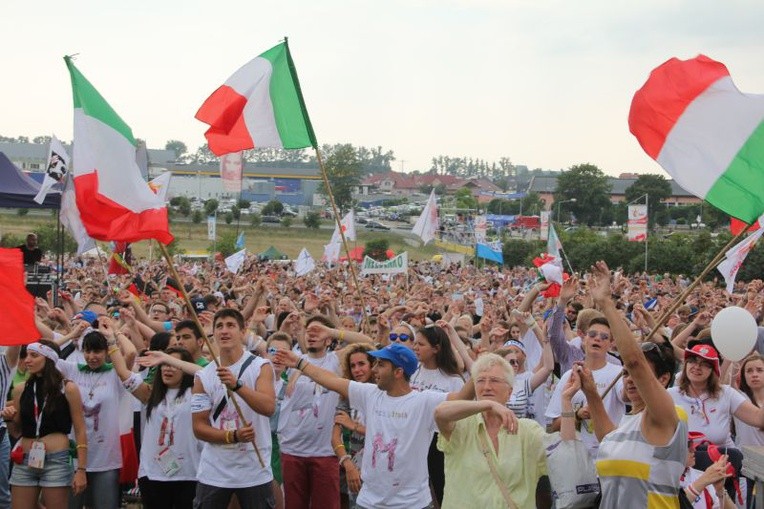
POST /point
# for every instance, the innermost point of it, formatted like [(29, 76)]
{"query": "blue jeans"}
[(102, 491), (5, 460)]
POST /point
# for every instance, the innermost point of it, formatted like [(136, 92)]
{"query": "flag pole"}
[(210, 347), (338, 220), (679, 299)]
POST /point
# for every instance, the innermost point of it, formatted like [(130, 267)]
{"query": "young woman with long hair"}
[(45, 409), (752, 385), (438, 371), (349, 432), (169, 451)]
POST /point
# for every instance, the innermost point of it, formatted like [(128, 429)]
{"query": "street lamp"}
[(572, 200)]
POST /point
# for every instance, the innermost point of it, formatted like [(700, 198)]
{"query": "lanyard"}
[(38, 411)]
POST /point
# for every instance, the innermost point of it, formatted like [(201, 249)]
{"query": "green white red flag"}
[(690, 117), (259, 106), (114, 202)]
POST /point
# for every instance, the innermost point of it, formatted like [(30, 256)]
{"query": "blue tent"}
[(17, 190)]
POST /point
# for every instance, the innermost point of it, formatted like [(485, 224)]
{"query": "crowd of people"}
[(435, 388)]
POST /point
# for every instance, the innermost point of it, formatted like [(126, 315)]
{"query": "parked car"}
[(271, 219), (361, 220), (376, 225)]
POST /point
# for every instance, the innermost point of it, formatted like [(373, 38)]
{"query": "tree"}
[(273, 208), (236, 212), (41, 140), (183, 205), (228, 217), (531, 205), (286, 221), (178, 147), (464, 199), (197, 216), (503, 207), (343, 170), (591, 189), (243, 204), (377, 249), (210, 206), (255, 219), (657, 189), (312, 220)]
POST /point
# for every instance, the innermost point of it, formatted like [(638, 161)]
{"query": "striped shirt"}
[(628, 464), (519, 401)]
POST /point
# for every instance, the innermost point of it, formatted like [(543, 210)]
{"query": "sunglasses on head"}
[(401, 337), (603, 335)]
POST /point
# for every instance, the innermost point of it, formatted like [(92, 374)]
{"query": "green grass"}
[(192, 238)]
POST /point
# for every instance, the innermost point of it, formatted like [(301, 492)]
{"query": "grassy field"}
[(193, 237)]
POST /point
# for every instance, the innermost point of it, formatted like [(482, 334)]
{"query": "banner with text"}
[(397, 265), (637, 223)]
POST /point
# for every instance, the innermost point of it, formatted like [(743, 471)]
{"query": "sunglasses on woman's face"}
[(399, 337)]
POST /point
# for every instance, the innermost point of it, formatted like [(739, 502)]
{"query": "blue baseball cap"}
[(86, 315), (400, 356)]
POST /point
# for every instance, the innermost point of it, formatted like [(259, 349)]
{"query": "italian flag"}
[(690, 117), (114, 202), (259, 106)]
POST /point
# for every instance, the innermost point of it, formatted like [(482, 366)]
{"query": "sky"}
[(547, 83)]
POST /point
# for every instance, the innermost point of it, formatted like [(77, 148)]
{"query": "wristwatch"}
[(238, 386)]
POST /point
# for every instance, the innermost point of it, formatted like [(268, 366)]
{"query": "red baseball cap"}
[(706, 352)]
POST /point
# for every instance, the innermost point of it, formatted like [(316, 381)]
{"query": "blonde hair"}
[(488, 361), (585, 317)]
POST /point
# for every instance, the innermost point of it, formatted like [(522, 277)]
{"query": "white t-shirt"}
[(306, 418), (614, 404), (747, 435), (436, 380), (235, 465), (170, 427), (101, 394), (398, 435), (710, 416), (533, 350)]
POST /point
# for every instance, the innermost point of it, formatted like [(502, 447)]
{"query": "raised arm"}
[(449, 412), (601, 420), (659, 406), (322, 377)]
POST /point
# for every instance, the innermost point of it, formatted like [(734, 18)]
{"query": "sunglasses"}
[(272, 351), (698, 360), (401, 337), (603, 335)]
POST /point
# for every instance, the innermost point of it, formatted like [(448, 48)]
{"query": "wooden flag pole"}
[(210, 347), (678, 300), (338, 220)]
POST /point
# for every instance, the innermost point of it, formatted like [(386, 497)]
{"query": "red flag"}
[(736, 226), (17, 326)]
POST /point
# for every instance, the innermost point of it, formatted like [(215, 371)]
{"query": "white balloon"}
[(734, 333)]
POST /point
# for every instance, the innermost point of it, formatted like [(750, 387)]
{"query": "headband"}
[(513, 342), (43, 350), (409, 327)]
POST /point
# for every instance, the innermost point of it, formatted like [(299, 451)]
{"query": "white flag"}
[(161, 185), (70, 218), (332, 252), (211, 227), (348, 227), (427, 225), (304, 264), (735, 257), (234, 261), (553, 244), (55, 170)]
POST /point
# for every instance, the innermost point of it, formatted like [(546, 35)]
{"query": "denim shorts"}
[(58, 472)]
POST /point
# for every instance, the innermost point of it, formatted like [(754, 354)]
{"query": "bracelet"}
[(338, 447), (344, 458), (341, 335), (112, 350), (235, 436), (300, 364), (82, 446), (227, 437), (693, 491), (568, 415)]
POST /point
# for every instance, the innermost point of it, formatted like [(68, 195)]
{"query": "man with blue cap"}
[(399, 425)]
